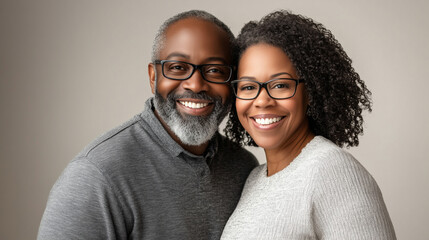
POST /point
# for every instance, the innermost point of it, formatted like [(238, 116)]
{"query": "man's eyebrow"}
[(176, 54), (212, 59), (182, 55)]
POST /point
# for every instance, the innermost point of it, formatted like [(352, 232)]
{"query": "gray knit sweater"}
[(324, 193), (135, 182)]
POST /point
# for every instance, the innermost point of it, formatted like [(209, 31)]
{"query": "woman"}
[(299, 98)]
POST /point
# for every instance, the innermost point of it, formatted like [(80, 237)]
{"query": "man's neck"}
[(197, 150)]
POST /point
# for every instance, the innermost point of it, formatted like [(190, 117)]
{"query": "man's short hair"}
[(160, 36)]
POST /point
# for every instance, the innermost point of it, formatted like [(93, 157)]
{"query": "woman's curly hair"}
[(337, 95)]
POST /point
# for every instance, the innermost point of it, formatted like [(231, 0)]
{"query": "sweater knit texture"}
[(136, 182), (325, 193)]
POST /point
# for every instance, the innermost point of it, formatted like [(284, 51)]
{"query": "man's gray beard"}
[(191, 130)]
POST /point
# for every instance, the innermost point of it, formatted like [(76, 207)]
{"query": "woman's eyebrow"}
[(271, 77), (247, 78), (279, 74)]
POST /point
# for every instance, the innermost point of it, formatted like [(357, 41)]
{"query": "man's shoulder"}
[(118, 146), (111, 139)]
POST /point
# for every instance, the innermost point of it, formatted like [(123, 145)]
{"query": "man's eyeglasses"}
[(279, 88), (178, 70)]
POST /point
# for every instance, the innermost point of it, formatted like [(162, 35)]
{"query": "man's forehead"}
[(195, 26), (192, 34), (194, 22)]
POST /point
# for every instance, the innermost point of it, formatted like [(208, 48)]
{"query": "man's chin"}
[(193, 125)]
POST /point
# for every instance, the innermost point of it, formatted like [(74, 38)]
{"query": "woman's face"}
[(271, 123)]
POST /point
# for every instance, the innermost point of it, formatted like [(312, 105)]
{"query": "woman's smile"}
[(266, 122)]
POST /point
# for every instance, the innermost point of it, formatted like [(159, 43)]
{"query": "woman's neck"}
[(280, 158)]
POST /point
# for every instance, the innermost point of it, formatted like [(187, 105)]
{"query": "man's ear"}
[(152, 76)]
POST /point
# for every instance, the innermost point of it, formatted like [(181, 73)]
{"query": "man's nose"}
[(196, 83)]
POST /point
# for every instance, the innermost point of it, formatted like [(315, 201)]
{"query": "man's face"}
[(192, 108)]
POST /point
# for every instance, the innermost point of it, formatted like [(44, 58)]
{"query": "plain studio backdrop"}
[(73, 69)]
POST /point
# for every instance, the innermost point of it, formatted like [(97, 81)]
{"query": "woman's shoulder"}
[(336, 165), (324, 151), (329, 159)]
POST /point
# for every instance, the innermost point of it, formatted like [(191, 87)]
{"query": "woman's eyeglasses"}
[(279, 88)]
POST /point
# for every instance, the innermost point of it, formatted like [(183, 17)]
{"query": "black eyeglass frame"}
[(194, 67), (264, 85)]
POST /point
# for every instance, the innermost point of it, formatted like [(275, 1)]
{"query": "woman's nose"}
[(263, 99)]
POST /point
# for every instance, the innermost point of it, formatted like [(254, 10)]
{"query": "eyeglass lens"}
[(183, 70), (277, 88)]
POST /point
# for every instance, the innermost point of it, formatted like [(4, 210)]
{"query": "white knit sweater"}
[(324, 193)]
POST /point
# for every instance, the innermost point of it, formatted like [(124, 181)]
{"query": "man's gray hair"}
[(160, 36)]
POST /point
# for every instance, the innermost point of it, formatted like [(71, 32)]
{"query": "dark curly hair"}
[(337, 95)]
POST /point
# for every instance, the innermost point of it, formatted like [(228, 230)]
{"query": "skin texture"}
[(282, 140), (199, 42)]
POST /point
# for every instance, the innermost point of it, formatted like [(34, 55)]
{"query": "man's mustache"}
[(189, 94)]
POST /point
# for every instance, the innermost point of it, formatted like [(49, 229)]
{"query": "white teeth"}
[(266, 121), (193, 104)]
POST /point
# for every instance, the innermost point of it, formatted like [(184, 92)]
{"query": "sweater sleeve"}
[(82, 205), (348, 203)]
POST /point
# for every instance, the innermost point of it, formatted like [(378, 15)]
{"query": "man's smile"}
[(195, 107)]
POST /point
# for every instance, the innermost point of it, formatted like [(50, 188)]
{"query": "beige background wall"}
[(71, 70)]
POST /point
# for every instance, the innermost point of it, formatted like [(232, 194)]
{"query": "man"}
[(167, 173)]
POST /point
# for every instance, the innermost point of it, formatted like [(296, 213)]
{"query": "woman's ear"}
[(152, 76)]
